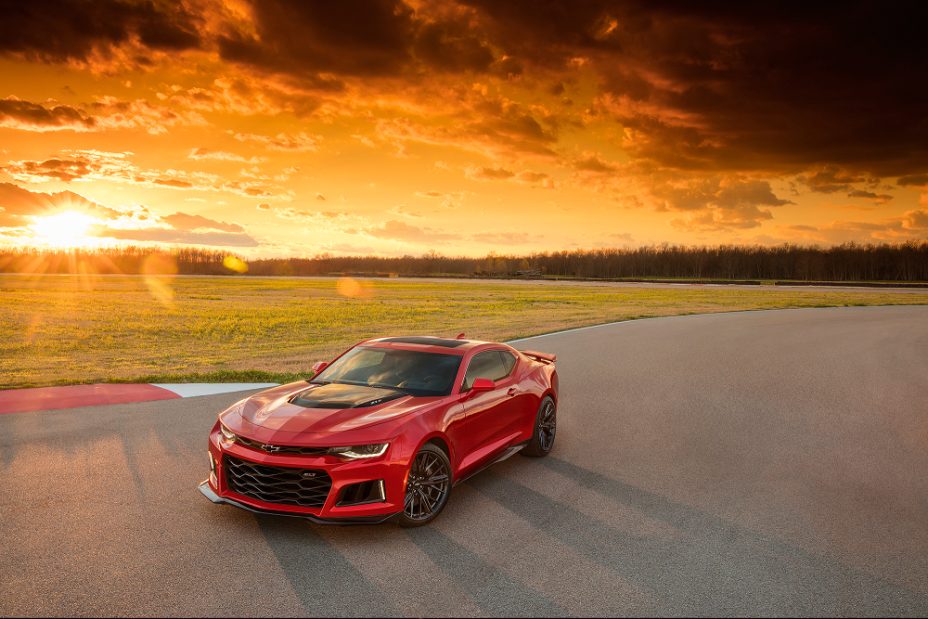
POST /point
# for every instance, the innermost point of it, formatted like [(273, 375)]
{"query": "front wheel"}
[(545, 429), (428, 486)]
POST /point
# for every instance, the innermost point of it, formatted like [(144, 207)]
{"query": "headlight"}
[(360, 451), (227, 434)]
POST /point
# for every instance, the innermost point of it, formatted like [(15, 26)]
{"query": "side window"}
[(509, 361), (484, 365)]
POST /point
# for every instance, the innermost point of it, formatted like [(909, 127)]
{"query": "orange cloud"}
[(651, 115)]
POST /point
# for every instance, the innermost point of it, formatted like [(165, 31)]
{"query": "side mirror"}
[(482, 384), (318, 366)]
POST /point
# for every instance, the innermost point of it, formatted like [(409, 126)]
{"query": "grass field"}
[(67, 329)]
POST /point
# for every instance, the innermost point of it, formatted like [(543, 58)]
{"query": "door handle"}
[(512, 391)]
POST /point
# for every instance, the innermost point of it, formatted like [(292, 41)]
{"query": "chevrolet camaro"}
[(384, 431)]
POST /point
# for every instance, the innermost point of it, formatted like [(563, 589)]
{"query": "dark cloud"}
[(450, 46), (514, 127), (718, 87), (879, 197), (918, 180), (18, 114), (105, 113), (488, 124), (357, 37), (774, 86), (360, 38), (64, 169), (528, 176), (60, 30), (916, 220), (594, 164), (484, 173), (118, 167), (490, 174), (719, 203), (831, 179)]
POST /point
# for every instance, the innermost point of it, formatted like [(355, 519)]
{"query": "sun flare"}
[(68, 229)]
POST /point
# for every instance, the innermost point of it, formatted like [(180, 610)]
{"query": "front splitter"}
[(210, 494)]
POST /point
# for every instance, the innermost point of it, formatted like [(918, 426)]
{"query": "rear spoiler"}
[(544, 357)]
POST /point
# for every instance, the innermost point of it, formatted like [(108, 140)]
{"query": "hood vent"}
[(336, 395)]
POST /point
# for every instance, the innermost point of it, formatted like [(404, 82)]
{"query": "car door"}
[(490, 416)]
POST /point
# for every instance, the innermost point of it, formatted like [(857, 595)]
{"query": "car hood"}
[(319, 410)]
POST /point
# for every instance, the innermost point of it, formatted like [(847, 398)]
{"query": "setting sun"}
[(68, 229)]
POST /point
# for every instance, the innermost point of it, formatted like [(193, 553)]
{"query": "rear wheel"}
[(428, 486), (545, 429)]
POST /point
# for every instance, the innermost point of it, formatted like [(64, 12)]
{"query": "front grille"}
[(275, 484), (282, 449)]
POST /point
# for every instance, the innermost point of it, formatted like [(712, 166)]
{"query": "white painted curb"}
[(191, 390)]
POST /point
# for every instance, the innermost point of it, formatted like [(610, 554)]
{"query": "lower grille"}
[(275, 484)]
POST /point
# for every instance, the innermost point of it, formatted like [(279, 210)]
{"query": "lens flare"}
[(352, 288), (159, 271), (235, 264)]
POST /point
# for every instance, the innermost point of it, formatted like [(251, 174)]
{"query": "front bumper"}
[(343, 474), (208, 492)]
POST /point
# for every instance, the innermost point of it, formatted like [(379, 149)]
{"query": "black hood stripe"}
[(336, 395)]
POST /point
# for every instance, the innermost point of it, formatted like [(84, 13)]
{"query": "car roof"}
[(428, 343)]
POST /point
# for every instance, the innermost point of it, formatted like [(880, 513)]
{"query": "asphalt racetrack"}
[(771, 463)]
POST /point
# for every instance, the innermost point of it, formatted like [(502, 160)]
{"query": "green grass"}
[(67, 329)]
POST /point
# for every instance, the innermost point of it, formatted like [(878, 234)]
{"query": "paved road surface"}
[(749, 463)]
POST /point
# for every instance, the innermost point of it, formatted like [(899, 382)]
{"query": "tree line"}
[(903, 262)]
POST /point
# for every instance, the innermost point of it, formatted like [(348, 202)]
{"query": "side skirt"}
[(508, 453)]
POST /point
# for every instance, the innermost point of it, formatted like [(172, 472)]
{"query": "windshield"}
[(416, 373)]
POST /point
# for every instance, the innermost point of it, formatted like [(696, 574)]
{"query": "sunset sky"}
[(280, 128)]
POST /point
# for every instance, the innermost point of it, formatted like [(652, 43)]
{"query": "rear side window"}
[(492, 364), (509, 361)]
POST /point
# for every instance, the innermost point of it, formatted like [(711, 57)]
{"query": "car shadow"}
[(320, 576), (491, 589), (712, 567)]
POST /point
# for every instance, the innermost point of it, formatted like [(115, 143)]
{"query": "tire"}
[(544, 431), (428, 487)]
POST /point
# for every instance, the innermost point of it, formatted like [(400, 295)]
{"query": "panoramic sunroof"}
[(425, 341)]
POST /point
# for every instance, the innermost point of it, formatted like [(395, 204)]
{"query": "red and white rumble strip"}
[(74, 396)]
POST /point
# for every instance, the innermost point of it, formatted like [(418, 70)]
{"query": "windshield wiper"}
[(375, 385), (358, 383), (381, 386)]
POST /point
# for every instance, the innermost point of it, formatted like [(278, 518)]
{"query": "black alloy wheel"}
[(428, 486), (545, 430)]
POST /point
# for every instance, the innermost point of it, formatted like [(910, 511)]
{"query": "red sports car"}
[(384, 431)]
